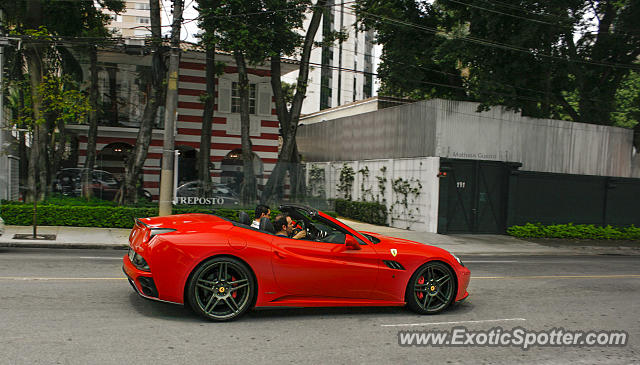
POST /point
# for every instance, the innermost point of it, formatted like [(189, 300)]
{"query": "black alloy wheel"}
[(431, 289), (221, 289)]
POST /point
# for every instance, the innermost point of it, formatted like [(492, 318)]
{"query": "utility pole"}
[(168, 148)]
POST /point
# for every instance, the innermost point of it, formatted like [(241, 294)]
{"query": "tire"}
[(221, 289), (431, 289)]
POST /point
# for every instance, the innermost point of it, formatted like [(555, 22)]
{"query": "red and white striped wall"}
[(226, 125)]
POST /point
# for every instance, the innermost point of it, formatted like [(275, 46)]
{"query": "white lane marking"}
[(100, 258), (456, 322), (488, 261)]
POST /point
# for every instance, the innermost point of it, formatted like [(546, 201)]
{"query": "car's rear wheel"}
[(431, 289), (221, 289)]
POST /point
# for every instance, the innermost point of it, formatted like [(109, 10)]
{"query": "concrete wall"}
[(545, 145), (397, 132), (454, 129), (421, 212)]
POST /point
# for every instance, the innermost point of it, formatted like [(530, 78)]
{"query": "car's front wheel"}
[(431, 289), (221, 289)]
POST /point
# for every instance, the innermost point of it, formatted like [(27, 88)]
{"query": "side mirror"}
[(351, 243)]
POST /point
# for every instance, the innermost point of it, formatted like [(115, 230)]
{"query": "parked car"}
[(103, 184), (1, 226), (221, 268), (219, 194)]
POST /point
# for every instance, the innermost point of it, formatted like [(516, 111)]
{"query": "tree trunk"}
[(248, 188), (136, 160), (204, 156), (37, 160), (289, 118), (93, 122)]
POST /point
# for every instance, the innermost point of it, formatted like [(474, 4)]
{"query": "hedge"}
[(369, 212), (105, 216), (577, 231)]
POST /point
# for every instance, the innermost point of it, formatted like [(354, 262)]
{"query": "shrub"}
[(577, 231), (369, 212)]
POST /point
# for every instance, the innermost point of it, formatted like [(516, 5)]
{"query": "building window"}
[(144, 20), (142, 6), (235, 98)]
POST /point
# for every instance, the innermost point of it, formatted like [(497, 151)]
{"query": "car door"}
[(324, 269)]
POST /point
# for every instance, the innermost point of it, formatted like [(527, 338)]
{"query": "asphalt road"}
[(74, 307)]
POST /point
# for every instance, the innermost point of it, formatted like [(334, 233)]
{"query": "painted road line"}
[(456, 322), (100, 258), (629, 276), (488, 261), (18, 278)]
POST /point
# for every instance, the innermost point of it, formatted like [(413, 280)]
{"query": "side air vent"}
[(393, 264)]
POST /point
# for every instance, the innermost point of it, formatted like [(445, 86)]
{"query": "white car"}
[(1, 226)]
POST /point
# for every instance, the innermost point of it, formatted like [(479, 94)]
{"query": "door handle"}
[(280, 255)]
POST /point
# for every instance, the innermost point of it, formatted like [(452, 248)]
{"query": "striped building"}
[(123, 96)]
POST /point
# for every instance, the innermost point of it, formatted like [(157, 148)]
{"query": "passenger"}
[(261, 211), (281, 226)]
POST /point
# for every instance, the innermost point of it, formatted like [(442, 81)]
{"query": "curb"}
[(31, 244)]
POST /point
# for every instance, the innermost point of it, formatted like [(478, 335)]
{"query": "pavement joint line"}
[(18, 278), (454, 322), (559, 277)]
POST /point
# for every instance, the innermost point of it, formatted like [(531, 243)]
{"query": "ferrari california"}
[(223, 268)]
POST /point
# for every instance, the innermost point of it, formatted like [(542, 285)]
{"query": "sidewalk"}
[(68, 237), (467, 244)]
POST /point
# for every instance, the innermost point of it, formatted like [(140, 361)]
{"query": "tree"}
[(43, 26), (236, 30), (157, 91), (285, 40), (557, 59), (207, 23)]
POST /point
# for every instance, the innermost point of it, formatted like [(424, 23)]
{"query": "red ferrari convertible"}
[(222, 268)]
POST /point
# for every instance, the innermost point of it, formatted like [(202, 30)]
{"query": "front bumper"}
[(464, 276)]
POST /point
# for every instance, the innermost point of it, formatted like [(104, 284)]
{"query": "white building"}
[(134, 21), (342, 73)]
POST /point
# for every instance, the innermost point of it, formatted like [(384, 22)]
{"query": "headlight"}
[(457, 259)]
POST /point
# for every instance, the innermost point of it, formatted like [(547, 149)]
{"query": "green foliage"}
[(316, 181), (369, 212), (532, 56), (405, 192), (98, 213), (345, 186), (627, 112), (364, 192), (382, 185), (578, 231)]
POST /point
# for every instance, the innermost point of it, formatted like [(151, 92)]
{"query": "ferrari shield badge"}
[(394, 252)]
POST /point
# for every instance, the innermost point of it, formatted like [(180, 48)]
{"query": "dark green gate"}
[(473, 196)]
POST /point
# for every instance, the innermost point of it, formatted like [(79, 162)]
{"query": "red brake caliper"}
[(235, 293), (421, 281)]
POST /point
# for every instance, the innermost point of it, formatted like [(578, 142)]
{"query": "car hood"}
[(387, 242)]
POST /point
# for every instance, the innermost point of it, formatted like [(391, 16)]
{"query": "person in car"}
[(289, 228), (281, 226), (260, 212), (296, 232)]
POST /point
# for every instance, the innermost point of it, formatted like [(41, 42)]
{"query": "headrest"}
[(243, 218), (265, 225)]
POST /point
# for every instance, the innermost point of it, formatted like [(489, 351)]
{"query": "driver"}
[(286, 226)]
